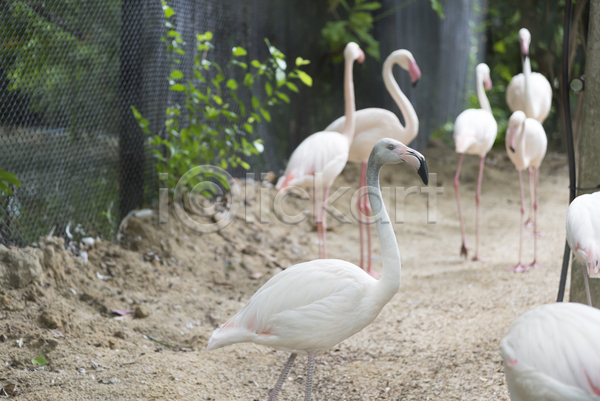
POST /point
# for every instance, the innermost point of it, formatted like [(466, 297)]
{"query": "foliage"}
[(7, 179), (39, 360), (51, 50), (358, 25), (207, 129)]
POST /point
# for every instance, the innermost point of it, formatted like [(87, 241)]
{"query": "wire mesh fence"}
[(70, 70)]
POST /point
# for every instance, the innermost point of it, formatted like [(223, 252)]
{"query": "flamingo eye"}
[(391, 147)]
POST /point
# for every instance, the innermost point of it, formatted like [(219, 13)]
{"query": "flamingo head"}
[(524, 40), (353, 52), (515, 124), (407, 62), (483, 73), (390, 151)]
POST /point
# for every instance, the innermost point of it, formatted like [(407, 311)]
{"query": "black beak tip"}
[(414, 84), (512, 149), (423, 172)]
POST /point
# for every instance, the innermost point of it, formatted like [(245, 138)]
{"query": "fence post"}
[(131, 137)]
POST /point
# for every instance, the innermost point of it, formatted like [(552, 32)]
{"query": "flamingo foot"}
[(536, 265), (463, 250), (374, 274), (478, 259), (519, 268)]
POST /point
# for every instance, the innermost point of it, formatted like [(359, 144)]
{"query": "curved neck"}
[(390, 279), (350, 106), (408, 112), (527, 78), (483, 100)]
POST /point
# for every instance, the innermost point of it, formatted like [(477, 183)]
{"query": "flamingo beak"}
[(414, 72), (361, 56), (488, 84), (416, 160), (510, 138), (524, 48)]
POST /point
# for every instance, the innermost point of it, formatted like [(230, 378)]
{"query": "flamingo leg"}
[(463, 249), (363, 176), (519, 267), (535, 206), (284, 374), (529, 221), (318, 221), (310, 367), (587, 285), (478, 201), (324, 222)]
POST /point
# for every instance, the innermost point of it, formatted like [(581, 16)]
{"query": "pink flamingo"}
[(552, 353), (529, 92), (526, 145), (373, 124), (474, 133), (325, 153), (310, 307)]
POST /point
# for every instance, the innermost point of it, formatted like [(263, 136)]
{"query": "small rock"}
[(5, 300), (3, 338), (112, 344), (141, 312), (19, 267), (119, 334), (50, 320)]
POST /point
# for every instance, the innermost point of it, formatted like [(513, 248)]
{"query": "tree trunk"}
[(589, 145)]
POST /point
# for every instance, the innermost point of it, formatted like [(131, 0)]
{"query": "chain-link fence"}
[(70, 70)]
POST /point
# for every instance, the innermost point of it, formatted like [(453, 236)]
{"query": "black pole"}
[(131, 137), (569, 137)]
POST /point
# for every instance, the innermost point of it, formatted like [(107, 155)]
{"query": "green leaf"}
[(283, 96), (255, 116), (178, 88), (174, 34), (245, 165), (265, 114), (300, 61), (39, 360), (255, 102), (176, 74), (370, 6), (304, 77), (232, 84), (168, 11), (500, 47), (256, 63), (280, 77), (239, 51), (268, 89), (248, 80), (438, 8), (292, 86)]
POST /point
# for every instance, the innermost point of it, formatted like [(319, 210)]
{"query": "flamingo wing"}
[(552, 353), (583, 231), (515, 93)]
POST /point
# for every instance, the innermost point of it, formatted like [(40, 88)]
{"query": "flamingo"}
[(474, 133), (311, 307), (529, 92), (325, 153), (373, 124), (552, 353), (526, 145), (583, 234)]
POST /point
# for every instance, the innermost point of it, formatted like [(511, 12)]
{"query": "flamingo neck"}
[(350, 106), (527, 77), (411, 120), (483, 100), (389, 283)]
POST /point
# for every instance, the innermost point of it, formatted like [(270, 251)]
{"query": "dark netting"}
[(70, 70)]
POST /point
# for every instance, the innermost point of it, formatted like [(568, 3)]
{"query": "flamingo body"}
[(552, 353), (541, 95), (323, 152), (475, 132), (530, 143), (309, 306), (583, 231)]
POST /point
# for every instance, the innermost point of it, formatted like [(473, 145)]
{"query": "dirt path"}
[(436, 340)]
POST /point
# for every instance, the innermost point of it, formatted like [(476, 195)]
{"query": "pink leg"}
[(324, 223), (463, 249), (519, 267), (535, 206), (318, 221), (529, 222), (478, 201)]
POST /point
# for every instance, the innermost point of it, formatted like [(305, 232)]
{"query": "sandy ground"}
[(436, 340)]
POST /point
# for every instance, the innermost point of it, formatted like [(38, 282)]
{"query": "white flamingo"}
[(325, 153), (552, 353), (526, 145), (373, 124), (583, 234), (529, 92), (310, 307), (474, 133)]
